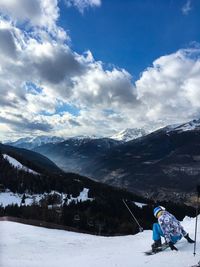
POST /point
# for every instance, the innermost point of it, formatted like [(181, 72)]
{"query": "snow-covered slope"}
[(15, 163), (128, 134), (30, 246), (188, 126), (9, 198)]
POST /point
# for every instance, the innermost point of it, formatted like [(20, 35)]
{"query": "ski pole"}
[(140, 227), (197, 211)]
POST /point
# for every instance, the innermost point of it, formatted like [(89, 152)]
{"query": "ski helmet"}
[(157, 210)]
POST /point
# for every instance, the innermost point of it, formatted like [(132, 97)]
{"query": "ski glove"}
[(171, 245)]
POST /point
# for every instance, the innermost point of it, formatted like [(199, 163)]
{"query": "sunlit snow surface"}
[(29, 246), (129, 134)]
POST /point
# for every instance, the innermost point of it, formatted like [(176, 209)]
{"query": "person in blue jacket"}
[(169, 228)]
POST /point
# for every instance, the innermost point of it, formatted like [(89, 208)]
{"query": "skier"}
[(169, 228)]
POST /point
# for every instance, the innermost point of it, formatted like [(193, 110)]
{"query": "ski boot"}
[(189, 240), (156, 245)]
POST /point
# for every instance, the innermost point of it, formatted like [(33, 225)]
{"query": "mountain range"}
[(73, 155), (164, 164), (29, 158), (32, 187), (32, 142)]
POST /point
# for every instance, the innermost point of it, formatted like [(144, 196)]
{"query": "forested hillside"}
[(56, 197)]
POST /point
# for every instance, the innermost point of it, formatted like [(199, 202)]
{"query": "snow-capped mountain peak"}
[(82, 137), (188, 126), (32, 142), (129, 134), (43, 139)]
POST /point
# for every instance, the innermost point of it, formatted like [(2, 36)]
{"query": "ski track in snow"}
[(29, 246)]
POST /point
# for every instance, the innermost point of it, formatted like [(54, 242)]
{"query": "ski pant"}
[(157, 233)]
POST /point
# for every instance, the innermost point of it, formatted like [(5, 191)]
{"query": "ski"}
[(160, 249)]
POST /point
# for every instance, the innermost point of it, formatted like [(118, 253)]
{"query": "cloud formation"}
[(40, 73), (81, 5), (35, 12), (170, 88), (187, 7), (46, 87)]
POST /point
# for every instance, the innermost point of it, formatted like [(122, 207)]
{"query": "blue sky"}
[(131, 34), (96, 67)]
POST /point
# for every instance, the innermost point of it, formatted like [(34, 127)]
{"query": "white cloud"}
[(81, 5), (52, 61), (187, 7), (40, 73), (42, 13), (170, 88), (102, 88)]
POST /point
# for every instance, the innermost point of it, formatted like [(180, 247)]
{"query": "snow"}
[(129, 134), (9, 198), (17, 164), (82, 137), (29, 246), (189, 126), (37, 141), (83, 196), (41, 140), (140, 205)]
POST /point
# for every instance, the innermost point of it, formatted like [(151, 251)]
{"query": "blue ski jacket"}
[(170, 226)]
